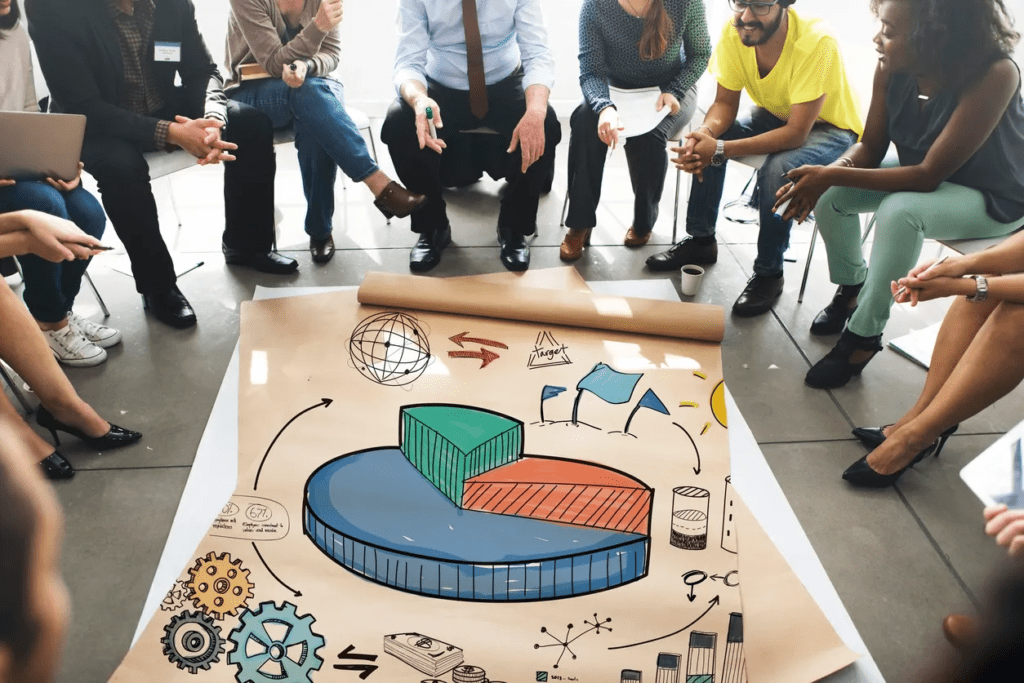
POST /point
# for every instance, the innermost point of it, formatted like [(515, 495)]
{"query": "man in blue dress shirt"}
[(472, 64)]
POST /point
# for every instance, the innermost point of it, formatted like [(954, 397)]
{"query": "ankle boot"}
[(846, 359), (832, 319)]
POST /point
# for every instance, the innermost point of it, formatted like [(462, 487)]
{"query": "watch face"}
[(717, 159)]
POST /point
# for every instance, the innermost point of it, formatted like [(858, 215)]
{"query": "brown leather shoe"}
[(395, 200), (960, 630), (635, 239), (572, 245), (322, 250)]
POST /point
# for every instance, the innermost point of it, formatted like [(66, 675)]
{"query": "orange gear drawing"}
[(219, 586)]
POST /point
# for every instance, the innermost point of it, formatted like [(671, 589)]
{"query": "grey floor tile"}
[(116, 524), (889, 575)]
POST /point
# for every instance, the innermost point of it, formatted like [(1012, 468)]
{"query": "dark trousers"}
[(122, 176), (422, 170)]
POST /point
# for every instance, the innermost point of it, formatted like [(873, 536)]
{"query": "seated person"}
[(806, 113), (296, 43), (490, 68), (953, 109), (100, 59), (631, 43), (978, 356), (50, 288), (23, 348), (34, 604)]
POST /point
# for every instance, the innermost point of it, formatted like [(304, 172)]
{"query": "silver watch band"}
[(981, 291)]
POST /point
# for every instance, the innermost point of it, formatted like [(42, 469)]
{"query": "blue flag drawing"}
[(651, 400), (609, 385), (550, 391)]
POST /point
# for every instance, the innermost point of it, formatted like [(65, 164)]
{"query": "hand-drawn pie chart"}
[(458, 511), (718, 404)]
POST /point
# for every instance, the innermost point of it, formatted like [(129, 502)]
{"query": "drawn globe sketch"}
[(390, 349)]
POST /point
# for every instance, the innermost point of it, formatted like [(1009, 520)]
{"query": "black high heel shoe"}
[(872, 437), (56, 466), (114, 438), (860, 473)]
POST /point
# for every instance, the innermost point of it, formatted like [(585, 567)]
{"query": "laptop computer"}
[(37, 146)]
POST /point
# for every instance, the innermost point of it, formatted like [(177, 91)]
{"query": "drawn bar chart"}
[(700, 661), (735, 668)]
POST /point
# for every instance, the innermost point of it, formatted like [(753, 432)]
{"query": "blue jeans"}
[(824, 144), (325, 137), (51, 288)]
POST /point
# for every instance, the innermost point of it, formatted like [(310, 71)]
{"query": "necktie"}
[(474, 60)]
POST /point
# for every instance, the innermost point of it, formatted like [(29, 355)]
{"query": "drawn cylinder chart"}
[(690, 517), (735, 668), (700, 660), (728, 519)]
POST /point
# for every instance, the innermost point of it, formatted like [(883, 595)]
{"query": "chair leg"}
[(867, 229), (675, 213), (96, 292), (565, 208), (15, 390), (807, 265)]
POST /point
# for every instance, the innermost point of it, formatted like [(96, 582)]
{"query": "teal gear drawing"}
[(192, 641), (286, 651)]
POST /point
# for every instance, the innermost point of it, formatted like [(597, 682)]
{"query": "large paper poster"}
[(432, 496)]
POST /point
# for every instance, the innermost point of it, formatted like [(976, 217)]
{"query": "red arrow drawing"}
[(483, 354), (462, 338)]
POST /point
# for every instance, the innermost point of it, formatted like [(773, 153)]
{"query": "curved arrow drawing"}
[(259, 555), (696, 470), (714, 601), (462, 338), (483, 354), (325, 402)]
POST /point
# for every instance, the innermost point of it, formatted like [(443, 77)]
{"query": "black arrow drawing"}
[(325, 402), (692, 596), (696, 470), (258, 554), (365, 669), (711, 605)]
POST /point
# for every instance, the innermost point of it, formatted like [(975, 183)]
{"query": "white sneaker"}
[(72, 348), (100, 335)]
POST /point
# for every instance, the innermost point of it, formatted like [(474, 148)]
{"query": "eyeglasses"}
[(759, 9)]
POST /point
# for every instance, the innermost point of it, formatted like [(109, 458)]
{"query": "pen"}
[(430, 122), (901, 290)]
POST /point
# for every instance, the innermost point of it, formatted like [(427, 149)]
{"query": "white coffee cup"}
[(691, 277)]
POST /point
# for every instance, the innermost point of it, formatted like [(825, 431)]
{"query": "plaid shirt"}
[(133, 33)]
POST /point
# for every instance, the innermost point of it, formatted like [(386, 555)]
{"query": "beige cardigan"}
[(256, 34)]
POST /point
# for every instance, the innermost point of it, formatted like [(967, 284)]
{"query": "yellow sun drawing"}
[(718, 404)]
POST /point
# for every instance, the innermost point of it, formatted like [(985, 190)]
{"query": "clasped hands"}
[(933, 280), (201, 138)]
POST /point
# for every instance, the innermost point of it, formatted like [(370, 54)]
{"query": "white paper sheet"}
[(638, 110)]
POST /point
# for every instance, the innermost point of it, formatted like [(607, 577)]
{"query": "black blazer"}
[(80, 56)]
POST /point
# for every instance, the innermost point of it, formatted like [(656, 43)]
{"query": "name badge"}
[(167, 52)]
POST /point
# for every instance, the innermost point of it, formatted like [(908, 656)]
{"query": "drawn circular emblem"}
[(219, 586), (192, 641), (273, 643), (390, 349)]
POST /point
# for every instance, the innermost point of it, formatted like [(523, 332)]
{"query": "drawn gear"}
[(219, 586), (175, 598), (192, 641), (284, 651)]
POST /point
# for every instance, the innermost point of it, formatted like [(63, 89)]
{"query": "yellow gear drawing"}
[(219, 586)]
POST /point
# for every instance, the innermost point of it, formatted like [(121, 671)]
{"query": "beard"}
[(766, 31)]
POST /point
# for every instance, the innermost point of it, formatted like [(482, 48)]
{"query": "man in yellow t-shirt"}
[(805, 113)]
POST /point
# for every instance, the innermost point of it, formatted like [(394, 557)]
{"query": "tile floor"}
[(900, 558)]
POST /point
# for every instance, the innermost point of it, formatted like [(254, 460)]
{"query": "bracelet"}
[(704, 125), (847, 161)]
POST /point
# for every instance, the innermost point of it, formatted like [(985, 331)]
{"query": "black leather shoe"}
[(114, 438), (56, 466), (170, 307), (758, 296), (686, 253), (265, 262), (515, 252), (846, 359), (872, 437), (322, 251), (833, 317), (427, 252)]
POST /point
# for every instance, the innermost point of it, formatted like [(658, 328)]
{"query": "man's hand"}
[(529, 136), (422, 103), (294, 74), (67, 185), (192, 136), (56, 239), (695, 154), (329, 14), (608, 126), (1007, 526), (670, 100), (7, 182)]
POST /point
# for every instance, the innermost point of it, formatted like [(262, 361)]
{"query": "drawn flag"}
[(648, 400), (547, 392), (608, 384)]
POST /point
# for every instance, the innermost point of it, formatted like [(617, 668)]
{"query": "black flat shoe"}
[(55, 466), (872, 437), (265, 262), (114, 438), (170, 307), (515, 252), (758, 296), (689, 251), (427, 252), (861, 474), (322, 250), (846, 359), (833, 317)]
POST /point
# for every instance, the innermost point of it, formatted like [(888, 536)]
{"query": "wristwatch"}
[(982, 289), (718, 158)]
